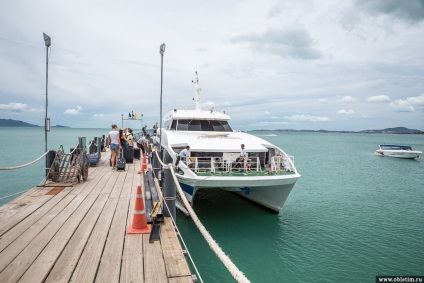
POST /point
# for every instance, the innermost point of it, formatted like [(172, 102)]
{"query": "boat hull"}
[(398, 153), (270, 192)]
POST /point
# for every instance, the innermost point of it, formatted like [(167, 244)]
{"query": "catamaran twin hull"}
[(270, 193)]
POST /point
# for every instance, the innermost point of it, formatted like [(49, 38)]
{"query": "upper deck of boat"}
[(78, 234)]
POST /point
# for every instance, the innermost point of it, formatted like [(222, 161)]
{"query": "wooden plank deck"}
[(78, 234)]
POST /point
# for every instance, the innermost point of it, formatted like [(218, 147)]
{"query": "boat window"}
[(182, 125), (206, 125), (201, 125), (166, 124), (226, 126), (194, 125), (217, 127)]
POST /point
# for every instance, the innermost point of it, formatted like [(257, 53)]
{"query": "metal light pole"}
[(161, 51), (47, 41)]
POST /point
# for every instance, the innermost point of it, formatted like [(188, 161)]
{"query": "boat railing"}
[(213, 164), (282, 163)]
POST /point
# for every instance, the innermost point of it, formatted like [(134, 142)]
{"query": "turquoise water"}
[(351, 216), (20, 146)]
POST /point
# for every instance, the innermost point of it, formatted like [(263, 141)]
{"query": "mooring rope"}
[(179, 235), (75, 148), (32, 162), (25, 165), (91, 142), (182, 240), (232, 268)]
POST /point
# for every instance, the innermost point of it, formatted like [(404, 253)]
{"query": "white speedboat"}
[(266, 176), (399, 151)]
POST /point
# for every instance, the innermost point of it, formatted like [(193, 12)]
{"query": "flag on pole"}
[(129, 115)]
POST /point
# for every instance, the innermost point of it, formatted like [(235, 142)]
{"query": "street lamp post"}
[(47, 41), (161, 51)]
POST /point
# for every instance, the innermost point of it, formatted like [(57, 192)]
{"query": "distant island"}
[(16, 123), (395, 130)]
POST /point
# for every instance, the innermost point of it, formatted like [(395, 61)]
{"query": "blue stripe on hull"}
[(186, 188)]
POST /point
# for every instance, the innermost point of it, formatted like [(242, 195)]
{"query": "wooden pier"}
[(78, 234)]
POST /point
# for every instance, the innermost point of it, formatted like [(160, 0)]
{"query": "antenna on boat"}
[(198, 89)]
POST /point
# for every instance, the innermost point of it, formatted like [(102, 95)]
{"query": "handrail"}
[(282, 162), (231, 267), (25, 165), (215, 163)]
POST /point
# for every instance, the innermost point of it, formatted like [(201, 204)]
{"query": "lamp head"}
[(47, 40), (162, 48)]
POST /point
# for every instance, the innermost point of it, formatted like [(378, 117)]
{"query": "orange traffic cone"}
[(139, 223), (143, 165)]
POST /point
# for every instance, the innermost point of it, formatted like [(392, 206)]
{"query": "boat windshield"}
[(201, 125), (395, 147)]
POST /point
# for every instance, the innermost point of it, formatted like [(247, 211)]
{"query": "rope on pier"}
[(91, 142), (75, 148), (182, 240), (32, 162), (25, 165), (232, 268)]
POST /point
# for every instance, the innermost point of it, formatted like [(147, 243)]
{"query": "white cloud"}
[(401, 106), (75, 111), (416, 100), (13, 107), (36, 110), (307, 118), (323, 101), (266, 112), (407, 105), (378, 98), (348, 99), (346, 112), (208, 104), (99, 115)]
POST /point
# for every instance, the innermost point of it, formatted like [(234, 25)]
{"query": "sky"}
[(304, 65)]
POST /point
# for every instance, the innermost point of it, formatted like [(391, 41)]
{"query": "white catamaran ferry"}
[(266, 176)]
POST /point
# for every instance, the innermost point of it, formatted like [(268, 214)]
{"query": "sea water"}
[(350, 217)]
